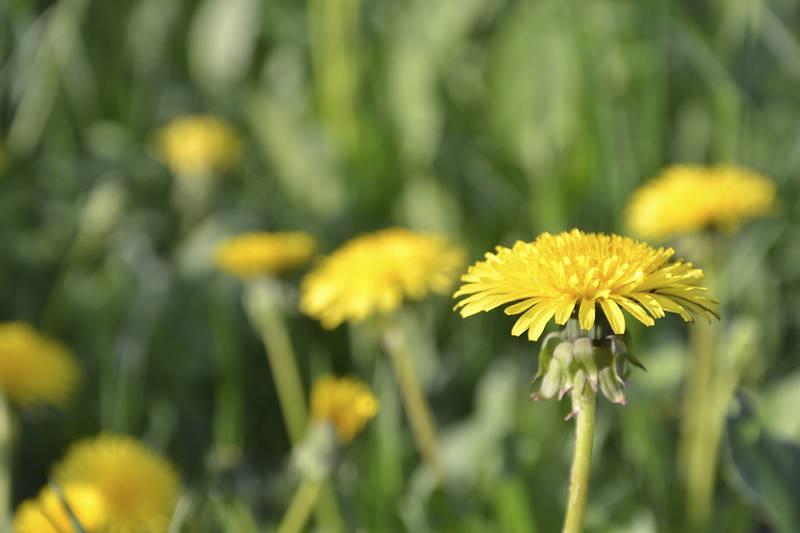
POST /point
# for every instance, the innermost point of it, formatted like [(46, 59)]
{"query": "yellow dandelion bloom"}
[(198, 145), (139, 487), (252, 254), (373, 273), (345, 403), (685, 199), (35, 369), (30, 518), (47, 513), (557, 274)]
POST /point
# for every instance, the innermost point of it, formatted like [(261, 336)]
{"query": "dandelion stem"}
[(300, 507), (698, 445), (6, 437), (417, 409), (264, 313), (581, 464), (271, 326)]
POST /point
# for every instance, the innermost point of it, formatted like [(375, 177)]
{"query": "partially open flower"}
[(347, 404), (198, 145), (260, 253), (35, 369), (374, 273), (139, 487), (686, 199)]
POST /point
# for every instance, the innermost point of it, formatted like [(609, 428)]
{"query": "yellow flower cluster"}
[(375, 272), (138, 487), (35, 369), (253, 254), (198, 145), (686, 199), (345, 403), (48, 514), (555, 275)]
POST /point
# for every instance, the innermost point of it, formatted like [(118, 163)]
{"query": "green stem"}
[(417, 409), (263, 311), (271, 326), (6, 437), (581, 464), (300, 507), (698, 445)]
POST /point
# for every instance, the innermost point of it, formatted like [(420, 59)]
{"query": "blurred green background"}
[(486, 120)]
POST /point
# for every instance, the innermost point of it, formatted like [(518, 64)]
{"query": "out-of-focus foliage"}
[(486, 120)]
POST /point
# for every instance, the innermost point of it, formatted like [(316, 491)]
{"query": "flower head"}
[(556, 275), (375, 272), (35, 369), (139, 487), (252, 254), (345, 403), (686, 199), (48, 514), (198, 145)]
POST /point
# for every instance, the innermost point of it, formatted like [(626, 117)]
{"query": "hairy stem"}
[(581, 464)]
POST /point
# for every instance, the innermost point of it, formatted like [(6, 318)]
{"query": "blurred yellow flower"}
[(48, 514), (139, 487), (552, 275), (35, 369), (345, 403), (373, 273), (685, 199), (253, 254), (198, 145)]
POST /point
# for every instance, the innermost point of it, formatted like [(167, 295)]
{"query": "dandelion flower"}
[(48, 513), (345, 403), (556, 275), (35, 369), (139, 487), (686, 199), (198, 145), (252, 254), (375, 272)]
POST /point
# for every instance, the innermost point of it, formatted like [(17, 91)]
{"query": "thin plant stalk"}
[(6, 437), (417, 409), (264, 313), (300, 507), (581, 464), (282, 361), (698, 446)]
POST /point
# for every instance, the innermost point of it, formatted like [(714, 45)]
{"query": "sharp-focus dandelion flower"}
[(686, 199), (585, 282), (35, 369), (347, 404), (374, 273), (198, 145), (557, 275), (48, 514), (139, 487), (260, 253)]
